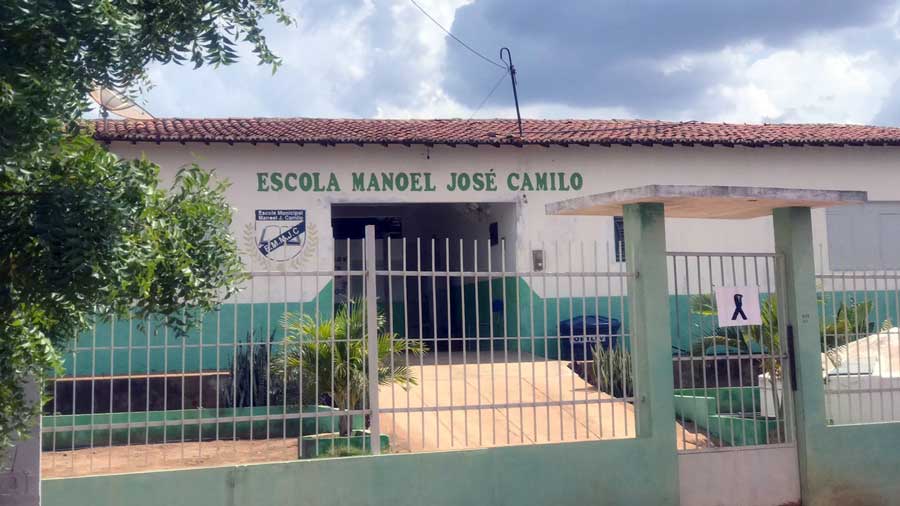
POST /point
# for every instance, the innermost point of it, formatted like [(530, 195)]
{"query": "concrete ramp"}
[(476, 402)]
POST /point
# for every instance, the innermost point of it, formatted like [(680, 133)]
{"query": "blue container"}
[(579, 335)]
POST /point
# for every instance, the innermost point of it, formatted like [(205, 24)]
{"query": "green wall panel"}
[(209, 347), (534, 475), (107, 348)]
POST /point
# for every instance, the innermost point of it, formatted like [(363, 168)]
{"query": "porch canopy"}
[(711, 202)]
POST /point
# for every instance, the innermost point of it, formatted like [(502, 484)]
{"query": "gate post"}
[(20, 468), (372, 342), (648, 294), (794, 243)]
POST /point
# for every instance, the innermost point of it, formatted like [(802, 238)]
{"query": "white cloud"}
[(817, 82), (383, 58)]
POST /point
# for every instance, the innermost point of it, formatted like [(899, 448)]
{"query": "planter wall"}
[(84, 431), (726, 414), (330, 445)]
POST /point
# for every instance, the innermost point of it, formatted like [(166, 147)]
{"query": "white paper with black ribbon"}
[(738, 306)]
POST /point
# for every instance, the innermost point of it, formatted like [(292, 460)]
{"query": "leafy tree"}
[(83, 233), (333, 354), (54, 51)]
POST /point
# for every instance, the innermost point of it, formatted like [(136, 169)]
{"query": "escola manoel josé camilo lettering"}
[(486, 181)]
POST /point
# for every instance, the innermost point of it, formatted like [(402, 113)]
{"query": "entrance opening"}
[(432, 239)]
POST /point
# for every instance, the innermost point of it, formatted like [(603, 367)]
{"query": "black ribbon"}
[(738, 307)]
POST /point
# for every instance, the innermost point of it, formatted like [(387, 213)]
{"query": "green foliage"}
[(849, 323), (82, 231), (344, 451), (612, 371), (54, 52), (717, 342), (333, 354), (765, 338), (84, 234), (250, 384), (703, 304)]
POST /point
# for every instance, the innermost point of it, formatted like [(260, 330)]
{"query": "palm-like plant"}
[(765, 337), (704, 306), (850, 323), (768, 339), (331, 357), (612, 371)]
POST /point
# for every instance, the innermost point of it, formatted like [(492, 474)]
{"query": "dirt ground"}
[(527, 402), (140, 458)]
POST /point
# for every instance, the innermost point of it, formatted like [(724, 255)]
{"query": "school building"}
[(558, 282)]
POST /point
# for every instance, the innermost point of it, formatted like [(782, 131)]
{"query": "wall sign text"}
[(418, 181)]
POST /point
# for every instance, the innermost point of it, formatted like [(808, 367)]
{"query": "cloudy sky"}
[(835, 61)]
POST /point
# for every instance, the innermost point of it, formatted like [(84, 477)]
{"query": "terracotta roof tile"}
[(490, 131)]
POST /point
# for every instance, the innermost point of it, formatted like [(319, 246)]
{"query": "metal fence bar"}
[(518, 351), (465, 358), (860, 337), (373, 345), (406, 335), (475, 253), (735, 372)]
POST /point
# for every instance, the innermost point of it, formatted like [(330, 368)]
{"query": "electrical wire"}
[(457, 39), (496, 85)]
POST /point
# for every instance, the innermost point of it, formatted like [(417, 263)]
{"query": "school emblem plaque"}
[(280, 235)]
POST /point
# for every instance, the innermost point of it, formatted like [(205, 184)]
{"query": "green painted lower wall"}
[(137, 347), (147, 347), (733, 430), (717, 411), (854, 464), (727, 399), (535, 475), (65, 432)]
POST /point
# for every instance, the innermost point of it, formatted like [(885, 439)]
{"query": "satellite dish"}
[(111, 101)]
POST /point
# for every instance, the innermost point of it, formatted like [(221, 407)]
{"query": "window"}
[(619, 238), (864, 237)]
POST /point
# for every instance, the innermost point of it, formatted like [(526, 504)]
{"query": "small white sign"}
[(738, 306)]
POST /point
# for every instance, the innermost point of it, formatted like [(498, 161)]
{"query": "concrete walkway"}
[(509, 401)]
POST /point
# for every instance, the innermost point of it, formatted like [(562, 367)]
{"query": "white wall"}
[(746, 476), (602, 168), (864, 237), (862, 399)]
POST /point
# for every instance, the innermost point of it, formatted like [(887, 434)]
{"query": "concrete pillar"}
[(648, 294), (20, 470), (794, 243), (849, 464)]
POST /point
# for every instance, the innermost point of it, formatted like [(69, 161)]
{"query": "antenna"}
[(512, 77), (111, 101)]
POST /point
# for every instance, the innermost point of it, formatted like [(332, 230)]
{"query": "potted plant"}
[(333, 354)]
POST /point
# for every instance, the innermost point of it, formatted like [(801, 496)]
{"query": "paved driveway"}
[(466, 404)]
